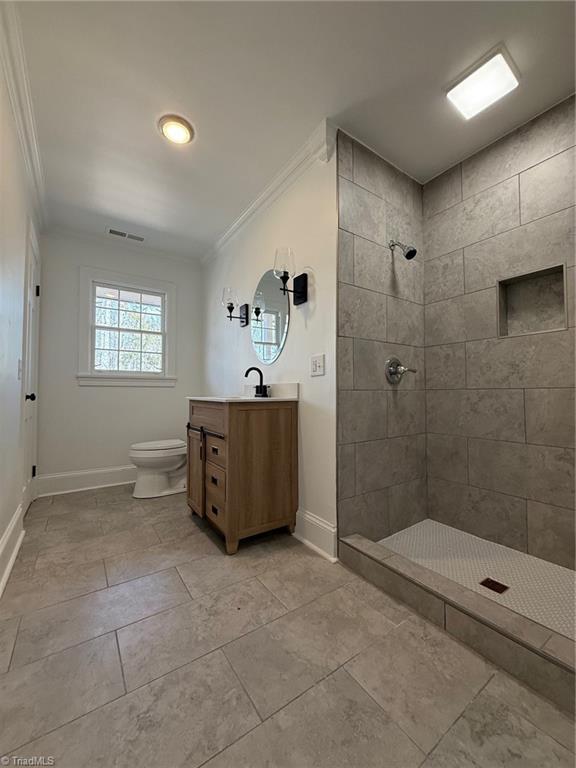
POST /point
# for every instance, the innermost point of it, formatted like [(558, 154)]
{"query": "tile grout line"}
[(120, 661)]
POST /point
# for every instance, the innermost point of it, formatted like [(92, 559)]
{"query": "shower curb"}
[(536, 655)]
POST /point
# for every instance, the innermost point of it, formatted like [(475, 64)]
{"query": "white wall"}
[(304, 217), (15, 220), (85, 429)]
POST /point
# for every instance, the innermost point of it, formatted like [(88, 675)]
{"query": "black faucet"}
[(261, 389)]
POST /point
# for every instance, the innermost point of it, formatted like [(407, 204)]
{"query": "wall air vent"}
[(127, 235)]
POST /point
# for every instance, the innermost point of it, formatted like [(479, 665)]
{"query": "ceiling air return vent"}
[(126, 235)]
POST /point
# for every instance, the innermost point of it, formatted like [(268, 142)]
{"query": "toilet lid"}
[(158, 445)]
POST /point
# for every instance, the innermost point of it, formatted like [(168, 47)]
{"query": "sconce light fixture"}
[(259, 307), (230, 301), (284, 269)]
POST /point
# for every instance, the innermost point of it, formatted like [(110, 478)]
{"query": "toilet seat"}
[(158, 445)]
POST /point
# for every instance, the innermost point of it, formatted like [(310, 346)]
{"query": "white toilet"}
[(161, 466)]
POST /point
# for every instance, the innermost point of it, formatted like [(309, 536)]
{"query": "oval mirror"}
[(269, 318)]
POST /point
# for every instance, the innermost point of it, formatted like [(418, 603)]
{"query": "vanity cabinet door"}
[(196, 471)]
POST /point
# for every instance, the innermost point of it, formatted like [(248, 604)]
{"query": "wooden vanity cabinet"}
[(243, 466)]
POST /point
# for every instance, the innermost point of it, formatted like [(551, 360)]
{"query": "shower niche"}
[(533, 302)]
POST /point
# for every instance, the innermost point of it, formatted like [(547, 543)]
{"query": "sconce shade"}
[(284, 262), (229, 296)]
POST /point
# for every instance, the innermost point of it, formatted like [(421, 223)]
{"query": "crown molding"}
[(13, 63), (319, 146)]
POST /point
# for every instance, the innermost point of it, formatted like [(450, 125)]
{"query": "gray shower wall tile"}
[(345, 156), (543, 243), (406, 412), (382, 463), (463, 318), (551, 533), (345, 256), (361, 212), (346, 466), (362, 416), (345, 362), (536, 472), (446, 366), (366, 514), (407, 504), (447, 457), (361, 313), (382, 179), (444, 277), (484, 513), (405, 322), (529, 145), (532, 361), (407, 228), (550, 417), (571, 296), (443, 192), (370, 362), (489, 413), (376, 268), (548, 187), (474, 219)]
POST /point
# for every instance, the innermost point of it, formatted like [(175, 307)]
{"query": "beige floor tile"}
[(180, 720), (98, 547), (207, 574), (298, 578), (281, 660), (174, 529), (77, 532), (48, 693), (8, 629), (334, 725), (140, 562), (393, 610), (533, 708), (490, 734), (157, 645), (65, 624), (422, 678), (51, 585)]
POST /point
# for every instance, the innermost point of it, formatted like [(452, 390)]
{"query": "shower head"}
[(407, 250)]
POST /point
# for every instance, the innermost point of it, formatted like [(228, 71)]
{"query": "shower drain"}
[(495, 586)]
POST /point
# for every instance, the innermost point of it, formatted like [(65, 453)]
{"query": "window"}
[(265, 336), (126, 331)]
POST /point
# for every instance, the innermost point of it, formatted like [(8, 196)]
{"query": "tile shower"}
[(468, 465)]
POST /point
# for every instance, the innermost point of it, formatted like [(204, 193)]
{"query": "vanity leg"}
[(292, 527), (231, 546)]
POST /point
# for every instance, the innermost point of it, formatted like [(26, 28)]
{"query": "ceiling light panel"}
[(483, 87)]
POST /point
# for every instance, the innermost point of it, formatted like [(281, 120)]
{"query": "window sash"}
[(94, 327)]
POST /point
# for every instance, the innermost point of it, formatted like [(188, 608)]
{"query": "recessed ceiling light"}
[(176, 129), (483, 86)]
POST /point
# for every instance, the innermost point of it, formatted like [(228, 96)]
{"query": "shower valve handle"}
[(394, 370)]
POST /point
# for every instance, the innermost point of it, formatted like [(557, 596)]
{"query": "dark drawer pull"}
[(214, 480), (215, 450), (214, 510)]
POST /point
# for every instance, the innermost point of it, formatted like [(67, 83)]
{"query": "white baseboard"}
[(83, 480), (317, 534), (10, 544)]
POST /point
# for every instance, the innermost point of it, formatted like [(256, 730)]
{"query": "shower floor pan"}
[(528, 629), (537, 589)]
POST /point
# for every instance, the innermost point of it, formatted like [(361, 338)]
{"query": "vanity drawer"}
[(211, 416), (216, 450), (216, 481), (215, 509)]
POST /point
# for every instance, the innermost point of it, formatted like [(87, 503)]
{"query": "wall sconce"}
[(259, 307), (284, 269), (230, 301)]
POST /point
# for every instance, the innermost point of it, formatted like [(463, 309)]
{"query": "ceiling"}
[(256, 79)]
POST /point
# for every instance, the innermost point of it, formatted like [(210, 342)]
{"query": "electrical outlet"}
[(318, 365)]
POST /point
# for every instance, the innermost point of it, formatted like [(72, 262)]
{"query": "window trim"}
[(86, 376)]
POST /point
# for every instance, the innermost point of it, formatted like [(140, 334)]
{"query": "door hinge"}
[(33, 470), (37, 290)]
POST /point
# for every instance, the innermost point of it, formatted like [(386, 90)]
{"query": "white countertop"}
[(243, 399)]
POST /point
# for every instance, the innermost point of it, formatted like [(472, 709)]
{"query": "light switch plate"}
[(318, 365)]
